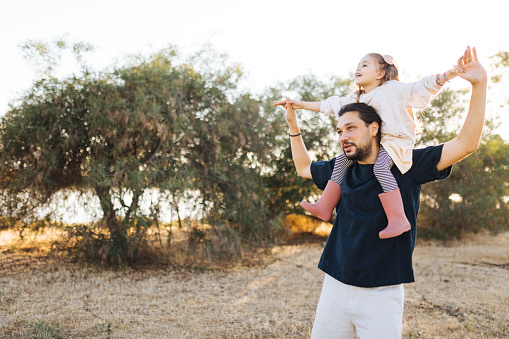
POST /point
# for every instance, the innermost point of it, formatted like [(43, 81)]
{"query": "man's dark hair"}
[(366, 113)]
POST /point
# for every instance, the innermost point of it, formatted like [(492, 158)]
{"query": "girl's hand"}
[(277, 103), (453, 72), (295, 104)]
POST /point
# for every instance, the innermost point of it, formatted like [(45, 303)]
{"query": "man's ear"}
[(373, 129)]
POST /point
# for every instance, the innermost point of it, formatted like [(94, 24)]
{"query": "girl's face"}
[(367, 74)]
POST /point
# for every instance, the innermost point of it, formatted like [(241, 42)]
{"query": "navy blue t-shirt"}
[(354, 254)]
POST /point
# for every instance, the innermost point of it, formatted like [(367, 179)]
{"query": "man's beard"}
[(362, 151)]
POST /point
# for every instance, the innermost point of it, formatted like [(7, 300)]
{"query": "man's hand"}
[(291, 115), (471, 68)]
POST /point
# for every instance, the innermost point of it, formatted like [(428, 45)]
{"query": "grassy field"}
[(461, 292)]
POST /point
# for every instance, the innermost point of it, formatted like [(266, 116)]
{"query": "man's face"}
[(355, 137)]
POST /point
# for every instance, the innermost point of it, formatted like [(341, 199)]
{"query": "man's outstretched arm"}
[(470, 133), (300, 154)]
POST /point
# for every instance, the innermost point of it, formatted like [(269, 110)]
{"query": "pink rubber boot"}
[(393, 206), (325, 205)]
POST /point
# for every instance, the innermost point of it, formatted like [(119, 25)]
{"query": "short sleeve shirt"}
[(354, 254)]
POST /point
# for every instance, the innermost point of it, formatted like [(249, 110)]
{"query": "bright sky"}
[(273, 40)]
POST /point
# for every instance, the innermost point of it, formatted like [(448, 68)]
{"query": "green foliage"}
[(46, 57), (474, 197), (180, 127), (500, 62), (38, 330), (442, 119), (102, 328)]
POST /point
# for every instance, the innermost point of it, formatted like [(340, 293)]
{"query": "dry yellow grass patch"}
[(298, 223), (461, 292)]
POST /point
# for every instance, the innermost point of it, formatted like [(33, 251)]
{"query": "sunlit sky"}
[(273, 40)]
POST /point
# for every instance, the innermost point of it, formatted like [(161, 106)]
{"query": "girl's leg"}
[(382, 170), (332, 193), (391, 198), (340, 167)]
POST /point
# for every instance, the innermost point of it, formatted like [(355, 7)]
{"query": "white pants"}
[(346, 311)]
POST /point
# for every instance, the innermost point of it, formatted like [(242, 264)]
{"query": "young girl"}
[(378, 85)]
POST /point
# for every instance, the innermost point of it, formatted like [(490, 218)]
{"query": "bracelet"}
[(295, 135), (445, 78), (437, 79)]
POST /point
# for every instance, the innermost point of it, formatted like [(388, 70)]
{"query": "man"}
[(363, 293)]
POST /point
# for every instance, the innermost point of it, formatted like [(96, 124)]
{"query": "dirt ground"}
[(461, 292)]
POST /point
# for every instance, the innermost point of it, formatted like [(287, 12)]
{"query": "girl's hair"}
[(367, 113), (391, 71)]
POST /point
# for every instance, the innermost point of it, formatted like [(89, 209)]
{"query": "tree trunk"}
[(134, 205), (116, 229)]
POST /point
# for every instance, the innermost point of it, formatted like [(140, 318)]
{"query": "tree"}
[(158, 122)]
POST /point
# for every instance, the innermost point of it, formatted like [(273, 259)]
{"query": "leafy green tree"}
[(158, 122)]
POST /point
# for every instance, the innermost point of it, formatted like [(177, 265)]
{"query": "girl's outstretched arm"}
[(311, 106)]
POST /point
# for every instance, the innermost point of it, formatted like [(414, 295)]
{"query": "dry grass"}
[(461, 292)]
